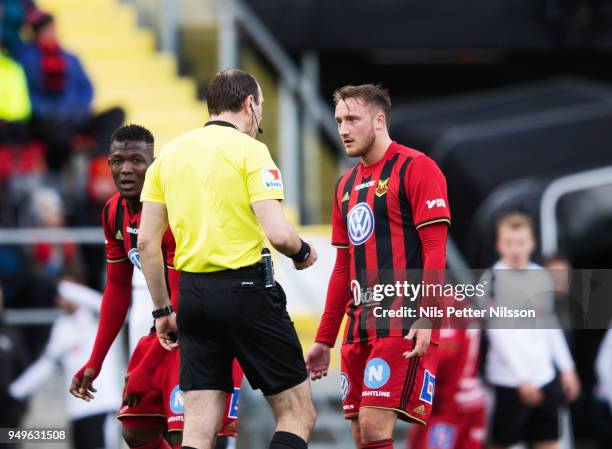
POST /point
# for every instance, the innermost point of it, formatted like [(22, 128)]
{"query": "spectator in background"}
[(13, 360), (62, 95), (47, 211), (13, 14), (569, 311), (602, 413), (14, 100), (521, 362), (93, 424)]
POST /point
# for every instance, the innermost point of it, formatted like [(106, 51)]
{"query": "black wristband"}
[(164, 311), (303, 253)]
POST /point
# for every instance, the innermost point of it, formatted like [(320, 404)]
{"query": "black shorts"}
[(230, 314), (514, 422)]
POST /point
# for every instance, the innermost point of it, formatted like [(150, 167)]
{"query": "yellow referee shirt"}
[(208, 178)]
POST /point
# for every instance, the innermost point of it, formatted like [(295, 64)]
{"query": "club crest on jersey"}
[(345, 385), (377, 373), (360, 223), (134, 258), (176, 401), (428, 388), (381, 188), (118, 235), (271, 178)]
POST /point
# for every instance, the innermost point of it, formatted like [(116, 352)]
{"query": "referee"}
[(220, 191)]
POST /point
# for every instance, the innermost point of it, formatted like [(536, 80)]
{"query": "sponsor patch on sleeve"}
[(271, 178)]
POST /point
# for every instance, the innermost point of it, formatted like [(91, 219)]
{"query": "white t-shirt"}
[(518, 355), (72, 337)]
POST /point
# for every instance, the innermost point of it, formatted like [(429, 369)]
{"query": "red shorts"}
[(454, 429), (376, 374), (165, 399)]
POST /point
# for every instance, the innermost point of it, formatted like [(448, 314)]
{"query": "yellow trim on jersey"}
[(399, 411), (116, 260), (435, 220)]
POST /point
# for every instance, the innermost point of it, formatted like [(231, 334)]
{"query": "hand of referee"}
[(164, 325), (317, 360), (312, 258)]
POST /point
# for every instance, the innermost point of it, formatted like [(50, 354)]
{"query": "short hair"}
[(134, 133), (228, 89), (515, 220), (371, 94)]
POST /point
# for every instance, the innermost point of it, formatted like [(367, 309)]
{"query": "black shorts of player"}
[(514, 421), (230, 314)]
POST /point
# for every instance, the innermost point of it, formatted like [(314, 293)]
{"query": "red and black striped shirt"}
[(377, 211), (121, 234)]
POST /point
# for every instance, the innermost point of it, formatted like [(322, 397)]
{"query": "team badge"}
[(177, 405), (345, 385), (381, 188), (360, 223), (377, 373), (118, 235), (233, 408), (428, 388), (345, 197), (271, 178)]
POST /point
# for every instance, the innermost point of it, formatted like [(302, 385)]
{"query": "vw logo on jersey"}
[(360, 223), (176, 401), (377, 373), (135, 258), (345, 385)]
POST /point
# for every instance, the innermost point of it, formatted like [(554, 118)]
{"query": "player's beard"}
[(366, 147)]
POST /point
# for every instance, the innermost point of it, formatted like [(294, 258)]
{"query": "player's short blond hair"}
[(514, 221), (371, 94)]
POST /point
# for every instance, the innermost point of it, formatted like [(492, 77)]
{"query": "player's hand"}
[(317, 360), (570, 384), (131, 398), (82, 384), (530, 394), (166, 331), (312, 258), (421, 329)]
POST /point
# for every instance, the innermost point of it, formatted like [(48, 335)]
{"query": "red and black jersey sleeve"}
[(115, 250), (168, 247), (426, 189), (339, 232)]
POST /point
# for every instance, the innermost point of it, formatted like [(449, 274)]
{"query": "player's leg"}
[(293, 410), (140, 432), (352, 363), (203, 417), (394, 387), (509, 419), (143, 424), (376, 428), (356, 432), (88, 432), (543, 427)]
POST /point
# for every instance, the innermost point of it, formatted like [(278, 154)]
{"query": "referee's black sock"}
[(287, 440)]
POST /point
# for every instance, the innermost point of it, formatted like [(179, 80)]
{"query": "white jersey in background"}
[(71, 339), (140, 319), (518, 355)]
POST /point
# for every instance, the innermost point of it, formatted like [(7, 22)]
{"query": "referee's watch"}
[(164, 311)]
